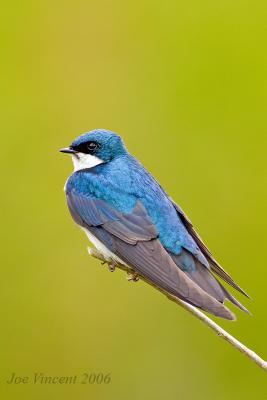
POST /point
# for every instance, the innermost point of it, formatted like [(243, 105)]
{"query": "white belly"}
[(102, 248)]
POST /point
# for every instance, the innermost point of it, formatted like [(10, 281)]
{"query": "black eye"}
[(86, 147), (91, 146)]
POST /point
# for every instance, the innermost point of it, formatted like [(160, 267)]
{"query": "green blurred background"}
[(184, 83)]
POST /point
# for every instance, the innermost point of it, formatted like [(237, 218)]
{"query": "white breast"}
[(82, 161)]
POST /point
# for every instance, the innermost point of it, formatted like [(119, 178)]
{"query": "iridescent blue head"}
[(95, 147)]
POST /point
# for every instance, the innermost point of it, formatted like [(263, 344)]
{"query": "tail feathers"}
[(218, 270), (215, 266), (233, 300), (204, 278)]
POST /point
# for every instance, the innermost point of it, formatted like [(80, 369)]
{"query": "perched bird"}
[(131, 220)]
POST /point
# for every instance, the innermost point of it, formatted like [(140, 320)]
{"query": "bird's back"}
[(124, 181)]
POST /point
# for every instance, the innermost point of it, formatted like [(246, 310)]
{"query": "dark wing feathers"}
[(200, 275), (215, 266), (132, 227), (134, 239), (151, 261), (92, 211), (96, 212), (204, 278)]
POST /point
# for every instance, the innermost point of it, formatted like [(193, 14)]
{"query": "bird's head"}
[(95, 147)]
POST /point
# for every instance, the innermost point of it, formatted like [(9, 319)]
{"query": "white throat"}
[(82, 161)]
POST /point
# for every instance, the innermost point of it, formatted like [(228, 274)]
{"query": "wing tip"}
[(218, 270), (224, 312), (243, 292)]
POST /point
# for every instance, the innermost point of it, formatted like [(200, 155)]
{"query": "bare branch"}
[(195, 311)]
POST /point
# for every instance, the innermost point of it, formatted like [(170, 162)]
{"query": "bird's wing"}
[(134, 239), (215, 266)]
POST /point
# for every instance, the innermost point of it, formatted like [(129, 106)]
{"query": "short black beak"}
[(67, 150)]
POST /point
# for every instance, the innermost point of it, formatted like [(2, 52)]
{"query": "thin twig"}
[(196, 312)]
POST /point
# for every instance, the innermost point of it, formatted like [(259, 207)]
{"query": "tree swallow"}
[(130, 219)]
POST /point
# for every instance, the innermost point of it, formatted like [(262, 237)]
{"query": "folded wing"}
[(134, 239)]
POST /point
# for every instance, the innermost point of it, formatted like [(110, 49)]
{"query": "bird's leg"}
[(112, 266), (111, 263), (133, 277)]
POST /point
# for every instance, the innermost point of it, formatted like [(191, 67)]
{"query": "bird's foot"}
[(111, 265), (133, 277)]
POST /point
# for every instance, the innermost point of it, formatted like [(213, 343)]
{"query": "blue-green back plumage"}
[(122, 183)]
